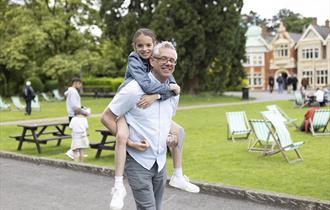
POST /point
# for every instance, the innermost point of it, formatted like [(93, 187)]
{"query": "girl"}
[(80, 141), (137, 68)]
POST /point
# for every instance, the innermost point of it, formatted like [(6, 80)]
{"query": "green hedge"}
[(111, 84)]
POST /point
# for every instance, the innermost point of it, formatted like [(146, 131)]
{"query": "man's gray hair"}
[(163, 44)]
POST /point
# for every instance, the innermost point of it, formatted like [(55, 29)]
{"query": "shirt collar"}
[(153, 78)]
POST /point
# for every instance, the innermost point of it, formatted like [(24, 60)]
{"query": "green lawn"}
[(208, 156)]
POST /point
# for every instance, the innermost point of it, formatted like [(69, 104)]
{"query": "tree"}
[(203, 32)]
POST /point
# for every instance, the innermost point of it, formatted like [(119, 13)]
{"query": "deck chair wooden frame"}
[(262, 141), (3, 105), (282, 115), (282, 137), (319, 123), (237, 126), (17, 103), (57, 95)]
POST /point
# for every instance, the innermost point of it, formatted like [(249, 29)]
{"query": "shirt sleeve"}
[(135, 69), (125, 99), (175, 103)]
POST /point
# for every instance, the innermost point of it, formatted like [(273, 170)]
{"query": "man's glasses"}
[(164, 60)]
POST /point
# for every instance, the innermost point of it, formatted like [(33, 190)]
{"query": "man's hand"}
[(146, 100), (140, 145), (176, 88), (172, 140)]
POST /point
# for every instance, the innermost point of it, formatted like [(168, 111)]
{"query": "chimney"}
[(327, 23), (264, 31), (314, 21)]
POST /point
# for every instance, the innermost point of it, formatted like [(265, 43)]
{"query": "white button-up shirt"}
[(152, 124), (72, 100)]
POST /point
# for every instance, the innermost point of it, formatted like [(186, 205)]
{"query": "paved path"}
[(28, 186), (259, 97)]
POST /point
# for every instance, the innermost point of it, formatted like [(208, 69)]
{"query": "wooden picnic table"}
[(40, 134), (103, 144)]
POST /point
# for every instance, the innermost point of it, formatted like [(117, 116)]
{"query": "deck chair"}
[(237, 126), (299, 100), (17, 103), (35, 103), (282, 115), (282, 137), (57, 95), (319, 122), (46, 97), (262, 136), (3, 105)]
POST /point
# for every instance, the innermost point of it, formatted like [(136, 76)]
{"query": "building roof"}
[(295, 36), (324, 31)]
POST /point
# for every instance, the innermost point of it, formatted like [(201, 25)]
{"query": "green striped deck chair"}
[(282, 115), (35, 103), (17, 103), (237, 126), (263, 140), (3, 105), (320, 122), (57, 95), (282, 137), (299, 100)]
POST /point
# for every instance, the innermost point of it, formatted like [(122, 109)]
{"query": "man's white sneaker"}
[(183, 184), (117, 200)]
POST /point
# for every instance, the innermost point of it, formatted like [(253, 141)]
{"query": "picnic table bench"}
[(39, 135), (104, 144)]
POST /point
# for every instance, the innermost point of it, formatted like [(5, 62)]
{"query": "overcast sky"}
[(308, 8)]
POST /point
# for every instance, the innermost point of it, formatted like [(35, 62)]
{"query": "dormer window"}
[(282, 51)]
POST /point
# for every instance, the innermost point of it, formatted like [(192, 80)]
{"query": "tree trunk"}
[(193, 85)]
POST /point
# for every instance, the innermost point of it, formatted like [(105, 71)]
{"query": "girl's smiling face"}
[(143, 46)]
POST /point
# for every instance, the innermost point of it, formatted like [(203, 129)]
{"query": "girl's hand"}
[(176, 88), (146, 100), (172, 140), (140, 145)]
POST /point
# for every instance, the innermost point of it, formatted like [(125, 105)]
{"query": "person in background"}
[(79, 125), (294, 82), (73, 103), (28, 95), (319, 96), (280, 83), (271, 83), (289, 84)]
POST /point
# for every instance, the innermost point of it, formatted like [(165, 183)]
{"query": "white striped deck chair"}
[(237, 126), (282, 137), (35, 103), (17, 103), (57, 95), (319, 123), (263, 139), (282, 115)]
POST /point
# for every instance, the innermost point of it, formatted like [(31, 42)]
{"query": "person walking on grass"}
[(79, 125), (28, 95)]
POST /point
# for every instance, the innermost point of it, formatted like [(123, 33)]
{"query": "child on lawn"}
[(80, 141), (138, 68)]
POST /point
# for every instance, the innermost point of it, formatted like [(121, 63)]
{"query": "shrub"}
[(51, 85), (37, 85)]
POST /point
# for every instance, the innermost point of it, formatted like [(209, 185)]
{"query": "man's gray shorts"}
[(147, 185)]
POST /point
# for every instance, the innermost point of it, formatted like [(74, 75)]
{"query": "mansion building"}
[(305, 55)]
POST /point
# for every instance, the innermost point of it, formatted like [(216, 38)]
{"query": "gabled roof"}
[(294, 36), (324, 31)]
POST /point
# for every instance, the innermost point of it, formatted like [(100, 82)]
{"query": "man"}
[(280, 83), (271, 83), (148, 130), (73, 103), (294, 81), (28, 95)]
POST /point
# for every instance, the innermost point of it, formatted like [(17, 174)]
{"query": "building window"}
[(310, 53), (255, 60), (255, 79), (322, 77), (281, 51), (309, 75)]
